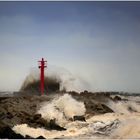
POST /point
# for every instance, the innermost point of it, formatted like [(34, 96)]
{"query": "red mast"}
[(41, 66)]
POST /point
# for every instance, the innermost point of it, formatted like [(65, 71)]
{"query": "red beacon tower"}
[(42, 65)]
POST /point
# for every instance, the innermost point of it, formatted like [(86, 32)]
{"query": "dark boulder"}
[(7, 133), (28, 137), (79, 118), (36, 121), (40, 137), (2, 115), (117, 98), (9, 115), (37, 116), (106, 109), (54, 126)]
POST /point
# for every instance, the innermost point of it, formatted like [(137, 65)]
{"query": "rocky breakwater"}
[(18, 110)]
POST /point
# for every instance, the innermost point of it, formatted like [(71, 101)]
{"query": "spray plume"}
[(55, 79), (62, 109)]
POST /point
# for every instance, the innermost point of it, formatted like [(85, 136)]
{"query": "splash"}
[(122, 123), (129, 128), (74, 131), (55, 79), (62, 109), (24, 130), (129, 115), (124, 107)]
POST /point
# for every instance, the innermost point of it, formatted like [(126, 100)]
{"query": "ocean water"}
[(123, 123)]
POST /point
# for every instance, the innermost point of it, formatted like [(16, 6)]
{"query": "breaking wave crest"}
[(129, 128), (123, 123), (124, 107), (62, 109)]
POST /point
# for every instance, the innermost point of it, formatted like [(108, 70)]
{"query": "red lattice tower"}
[(42, 65)]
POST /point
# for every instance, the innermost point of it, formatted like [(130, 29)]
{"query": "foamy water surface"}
[(124, 122)]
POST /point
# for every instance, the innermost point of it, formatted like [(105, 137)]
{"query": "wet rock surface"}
[(95, 103), (7, 132), (22, 109), (54, 126), (79, 118)]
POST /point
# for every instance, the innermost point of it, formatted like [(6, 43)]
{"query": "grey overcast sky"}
[(98, 41)]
